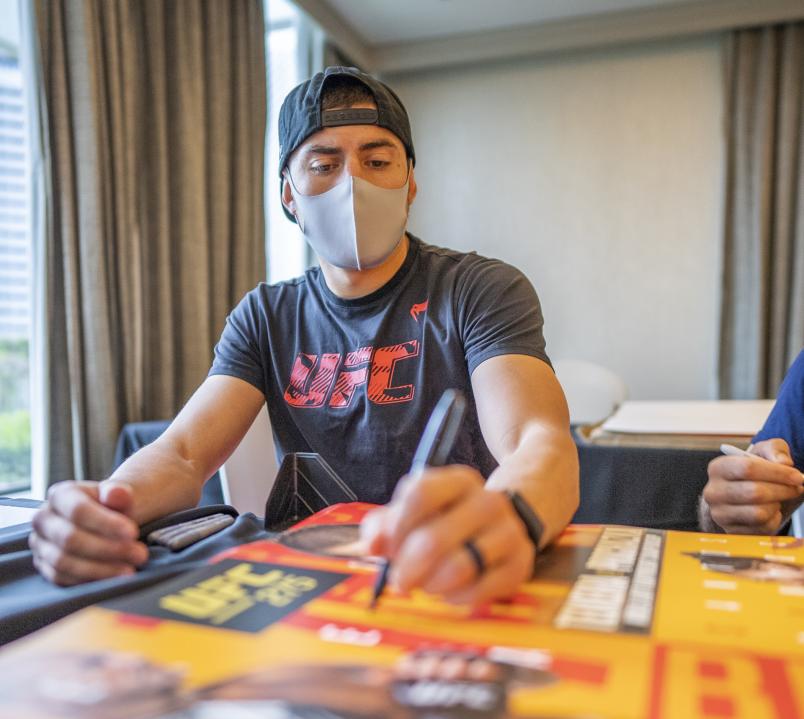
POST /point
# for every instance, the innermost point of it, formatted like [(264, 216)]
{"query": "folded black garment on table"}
[(29, 602)]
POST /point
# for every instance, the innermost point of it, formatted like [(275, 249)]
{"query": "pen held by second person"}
[(731, 450)]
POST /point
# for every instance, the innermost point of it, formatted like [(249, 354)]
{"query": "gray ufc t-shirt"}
[(356, 380)]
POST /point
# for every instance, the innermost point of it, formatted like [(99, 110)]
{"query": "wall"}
[(599, 174)]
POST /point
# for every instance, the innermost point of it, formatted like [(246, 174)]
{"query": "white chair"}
[(248, 476), (593, 392)]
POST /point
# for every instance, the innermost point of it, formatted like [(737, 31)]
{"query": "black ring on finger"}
[(477, 557)]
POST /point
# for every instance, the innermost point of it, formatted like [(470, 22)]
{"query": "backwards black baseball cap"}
[(301, 115)]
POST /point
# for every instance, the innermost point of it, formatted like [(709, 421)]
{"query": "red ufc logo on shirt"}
[(316, 378)]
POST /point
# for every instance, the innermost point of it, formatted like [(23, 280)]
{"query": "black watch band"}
[(530, 519)]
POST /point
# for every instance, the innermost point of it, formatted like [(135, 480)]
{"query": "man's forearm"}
[(161, 479), (544, 470)]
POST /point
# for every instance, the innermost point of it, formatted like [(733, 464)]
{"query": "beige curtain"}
[(154, 133), (762, 318)]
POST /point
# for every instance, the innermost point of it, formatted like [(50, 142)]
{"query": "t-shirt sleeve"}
[(238, 354), (499, 313), (786, 420)]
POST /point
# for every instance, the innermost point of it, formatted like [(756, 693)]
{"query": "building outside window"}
[(15, 260), (293, 48)]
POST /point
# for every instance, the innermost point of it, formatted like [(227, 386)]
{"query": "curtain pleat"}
[(155, 117), (762, 312)]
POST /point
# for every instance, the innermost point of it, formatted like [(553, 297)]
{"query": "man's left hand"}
[(425, 528)]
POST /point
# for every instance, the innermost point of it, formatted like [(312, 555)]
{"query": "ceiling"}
[(377, 22), (389, 36)]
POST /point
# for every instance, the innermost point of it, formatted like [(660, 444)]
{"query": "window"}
[(15, 260), (291, 42)]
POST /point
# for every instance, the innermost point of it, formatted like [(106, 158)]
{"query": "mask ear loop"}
[(295, 190), (410, 169), (290, 179), (407, 183)]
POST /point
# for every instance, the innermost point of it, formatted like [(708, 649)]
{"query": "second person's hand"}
[(750, 494)]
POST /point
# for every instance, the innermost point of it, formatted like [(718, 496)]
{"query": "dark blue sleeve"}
[(786, 420), (239, 351)]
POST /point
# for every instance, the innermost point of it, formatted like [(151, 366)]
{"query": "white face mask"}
[(354, 225)]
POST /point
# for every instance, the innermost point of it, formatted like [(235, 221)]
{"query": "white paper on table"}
[(9, 516), (716, 417)]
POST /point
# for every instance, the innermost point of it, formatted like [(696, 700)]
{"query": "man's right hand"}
[(83, 532), (752, 495)]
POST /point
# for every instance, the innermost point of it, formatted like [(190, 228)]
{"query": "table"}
[(15, 512), (619, 622), (649, 487), (642, 486)]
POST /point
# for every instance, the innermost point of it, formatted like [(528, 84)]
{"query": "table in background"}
[(655, 487), (648, 487)]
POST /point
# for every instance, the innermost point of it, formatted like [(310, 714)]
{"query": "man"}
[(351, 359), (747, 495)]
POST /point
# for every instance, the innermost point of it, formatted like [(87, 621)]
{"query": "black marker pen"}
[(434, 448)]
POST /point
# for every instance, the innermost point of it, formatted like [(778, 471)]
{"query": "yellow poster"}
[(619, 622)]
